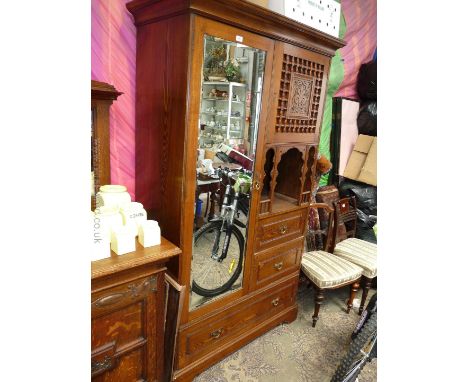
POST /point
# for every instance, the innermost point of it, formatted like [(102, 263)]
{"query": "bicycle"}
[(363, 346), (216, 273)]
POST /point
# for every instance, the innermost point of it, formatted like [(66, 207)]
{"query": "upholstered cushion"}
[(359, 252), (327, 270)]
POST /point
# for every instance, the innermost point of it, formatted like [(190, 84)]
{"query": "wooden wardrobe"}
[(173, 38)]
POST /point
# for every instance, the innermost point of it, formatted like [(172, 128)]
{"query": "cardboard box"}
[(323, 15), (362, 164), (262, 3)]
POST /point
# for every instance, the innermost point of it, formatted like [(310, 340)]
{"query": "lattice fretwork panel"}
[(299, 95)]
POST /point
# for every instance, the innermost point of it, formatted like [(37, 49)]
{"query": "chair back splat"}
[(345, 213), (325, 232)]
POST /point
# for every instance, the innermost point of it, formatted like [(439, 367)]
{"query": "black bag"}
[(366, 205), (367, 81), (367, 118), (224, 157)]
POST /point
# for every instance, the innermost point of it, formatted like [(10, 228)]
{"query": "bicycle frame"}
[(362, 361), (229, 210)]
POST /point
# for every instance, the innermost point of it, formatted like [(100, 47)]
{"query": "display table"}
[(209, 187), (127, 314)]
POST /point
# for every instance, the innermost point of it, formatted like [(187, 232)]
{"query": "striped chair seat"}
[(328, 271), (359, 252)]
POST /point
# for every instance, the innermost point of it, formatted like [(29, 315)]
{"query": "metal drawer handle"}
[(217, 333), (278, 266), (275, 302), (283, 229), (256, 185), (100, 366)]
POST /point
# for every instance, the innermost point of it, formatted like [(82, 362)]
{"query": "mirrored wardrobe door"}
[(231, 92)]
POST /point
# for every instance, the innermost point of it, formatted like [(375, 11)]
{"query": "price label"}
[(239, 38)]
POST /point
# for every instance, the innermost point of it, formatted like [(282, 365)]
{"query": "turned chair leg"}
[(352, 295), (365, 290), (208, 201), (318, 302)]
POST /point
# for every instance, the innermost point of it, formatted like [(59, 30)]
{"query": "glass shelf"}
[(225, 83), (221, 115), (222, 99)]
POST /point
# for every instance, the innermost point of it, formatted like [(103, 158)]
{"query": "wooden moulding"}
[(141, 256), (175, 294), (241, 14), (102, 97), (102, 90)]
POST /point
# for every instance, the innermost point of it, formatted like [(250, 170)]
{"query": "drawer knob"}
[(278, 266), (283, 229), (217, 333), (275, 302), (256, 185)]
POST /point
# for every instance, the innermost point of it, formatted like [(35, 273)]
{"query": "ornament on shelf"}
[(112, 195), (123, 240), (149, 233)]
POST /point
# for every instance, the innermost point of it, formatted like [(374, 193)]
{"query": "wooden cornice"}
[(241, 14), (102, 90)]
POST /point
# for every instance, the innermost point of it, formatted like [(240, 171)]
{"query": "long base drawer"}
[(208, 334)]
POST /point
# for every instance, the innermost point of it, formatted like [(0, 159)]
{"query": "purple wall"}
[(113, 55)]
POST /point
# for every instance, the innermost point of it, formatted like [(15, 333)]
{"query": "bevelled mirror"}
[(231, 90)]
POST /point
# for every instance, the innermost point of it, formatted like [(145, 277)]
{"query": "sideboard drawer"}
[(280, 229), (225, 326), (274, 263)]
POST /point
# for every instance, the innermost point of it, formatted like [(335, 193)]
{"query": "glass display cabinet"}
[(229, 105)]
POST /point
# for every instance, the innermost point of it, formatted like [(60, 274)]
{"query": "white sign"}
[(323, 15)]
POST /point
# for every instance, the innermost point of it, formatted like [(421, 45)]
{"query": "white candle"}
[(122, 240), (149, 233)]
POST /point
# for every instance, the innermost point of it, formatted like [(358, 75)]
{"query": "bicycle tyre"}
[(237, 234), (363, 338)]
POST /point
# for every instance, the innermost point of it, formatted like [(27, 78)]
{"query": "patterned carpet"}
[(296, 352)]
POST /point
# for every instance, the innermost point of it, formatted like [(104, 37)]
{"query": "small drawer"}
[(274, 263), (280, 229), (225, 326)]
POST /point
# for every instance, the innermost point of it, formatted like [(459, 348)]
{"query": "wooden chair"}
[(357, 251), (327, 271)]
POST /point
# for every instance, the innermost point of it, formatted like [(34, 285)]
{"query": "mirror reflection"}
[(230, 102)]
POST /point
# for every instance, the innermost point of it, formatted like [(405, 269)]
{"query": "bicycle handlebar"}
[(229, 173)]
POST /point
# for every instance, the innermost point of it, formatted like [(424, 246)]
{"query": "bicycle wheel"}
[(211, 277), (360, 351)]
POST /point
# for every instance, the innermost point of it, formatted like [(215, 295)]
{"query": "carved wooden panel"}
[(124, 330), (299, 95), (308, 174)]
